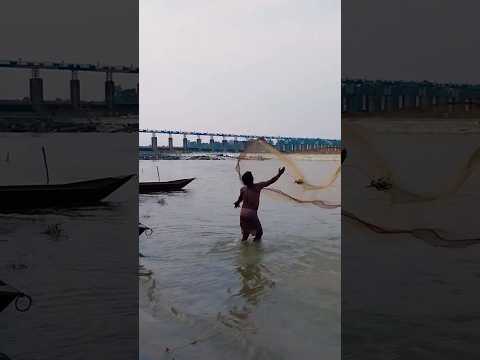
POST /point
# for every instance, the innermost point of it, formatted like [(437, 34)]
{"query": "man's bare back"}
[(250, 196)]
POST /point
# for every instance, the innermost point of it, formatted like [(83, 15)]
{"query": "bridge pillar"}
[(451, 104), (109, 90), (224, 144), (401, 102), (185, 143), (344, 103), (36, 89), (170, 142), (364, 103), (154, 146), (468, 103), (154, 143), (236, 146), (212, 144), (75, 90), (199, 140)]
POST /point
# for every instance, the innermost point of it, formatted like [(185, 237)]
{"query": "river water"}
[(77, 264), (411, 295), (210, 296)]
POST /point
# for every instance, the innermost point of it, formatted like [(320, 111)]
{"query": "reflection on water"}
[(211, 296), (254, 281)]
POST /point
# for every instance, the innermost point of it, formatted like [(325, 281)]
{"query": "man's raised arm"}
[(273, 179)]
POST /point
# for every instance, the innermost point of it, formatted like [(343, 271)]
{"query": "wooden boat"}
[(8, 294), (25, 197), (142, 228), (163, 186)]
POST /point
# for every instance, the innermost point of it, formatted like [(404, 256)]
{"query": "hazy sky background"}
[(263, 67), (87, 31), (433, 40)]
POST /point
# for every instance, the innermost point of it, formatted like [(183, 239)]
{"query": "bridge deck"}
[(47, 65)]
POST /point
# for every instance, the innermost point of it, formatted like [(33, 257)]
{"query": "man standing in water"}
[(250, 196)]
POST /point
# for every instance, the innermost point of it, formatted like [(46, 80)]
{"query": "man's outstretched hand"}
[(281, 170), (237, 204)]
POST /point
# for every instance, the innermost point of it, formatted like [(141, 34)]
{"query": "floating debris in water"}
[(381, 184), (162, 202), (17, 266), (55, 231)]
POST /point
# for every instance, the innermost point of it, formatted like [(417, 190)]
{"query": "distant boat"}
[(163, 186), (25, 197)]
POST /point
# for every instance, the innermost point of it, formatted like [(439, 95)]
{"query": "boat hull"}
[(23, 197), (142, 228), (7, 295), (163, 186)]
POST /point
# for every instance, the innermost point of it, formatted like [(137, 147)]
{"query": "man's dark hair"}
[(247, 178)]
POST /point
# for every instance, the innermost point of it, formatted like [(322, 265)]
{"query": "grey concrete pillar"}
[(75, 93), (109, 93), (36, 90), (154, 143), (109, 90), (170, 142)]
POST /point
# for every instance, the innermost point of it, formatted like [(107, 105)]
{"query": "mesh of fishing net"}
[(309, 178), (402, 179), (376, 159)]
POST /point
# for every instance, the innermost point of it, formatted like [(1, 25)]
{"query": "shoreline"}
[(258, 157)]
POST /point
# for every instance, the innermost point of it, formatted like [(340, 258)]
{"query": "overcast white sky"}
[(265, 66)]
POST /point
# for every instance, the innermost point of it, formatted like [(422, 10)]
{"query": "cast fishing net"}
[(413, 178), (309, 178)]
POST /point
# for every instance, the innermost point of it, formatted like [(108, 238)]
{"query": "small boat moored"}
[(9, 293), (26, 197), (163, 186), (142, 228)]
